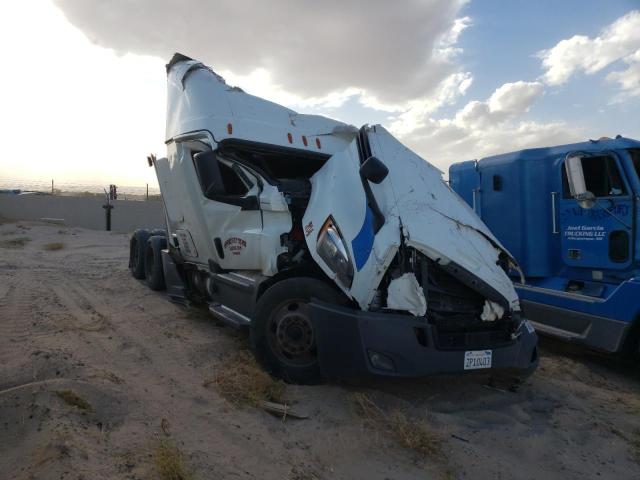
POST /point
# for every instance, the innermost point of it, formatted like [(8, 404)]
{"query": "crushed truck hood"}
[(419, 208)]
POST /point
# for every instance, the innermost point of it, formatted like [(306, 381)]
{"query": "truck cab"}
[(314, 235), (569, 215)]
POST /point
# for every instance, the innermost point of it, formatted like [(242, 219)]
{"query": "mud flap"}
[(176, 289), (338, 342)]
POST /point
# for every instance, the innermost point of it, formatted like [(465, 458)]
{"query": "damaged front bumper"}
[(357, 343)]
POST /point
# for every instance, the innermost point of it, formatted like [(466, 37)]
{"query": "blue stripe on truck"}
[(362, 244)]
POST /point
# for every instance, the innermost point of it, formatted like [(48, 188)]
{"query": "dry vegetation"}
[(53, 246), (302, 473), (242, 381), (54, 451), (169, 461), (633, 440), (73, 399), (19, 242), (107, 375), (409, 433)]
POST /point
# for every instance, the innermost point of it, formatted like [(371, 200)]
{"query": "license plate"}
[(475, 359)]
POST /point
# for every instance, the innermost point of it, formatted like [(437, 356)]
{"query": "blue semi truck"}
[(569, 215)]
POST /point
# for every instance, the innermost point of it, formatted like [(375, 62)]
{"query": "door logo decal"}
[(235, 245), (585, 232), (308, 229)]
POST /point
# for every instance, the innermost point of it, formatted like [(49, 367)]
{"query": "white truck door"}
[(234, 220), (244, 219)]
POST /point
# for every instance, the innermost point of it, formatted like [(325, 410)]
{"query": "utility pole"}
[(111, 195)]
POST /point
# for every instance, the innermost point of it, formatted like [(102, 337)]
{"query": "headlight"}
[(333, 251)]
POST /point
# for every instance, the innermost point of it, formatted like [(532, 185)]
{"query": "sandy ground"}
[(73, 319)]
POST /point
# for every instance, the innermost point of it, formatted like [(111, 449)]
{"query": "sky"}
[(82, 90)]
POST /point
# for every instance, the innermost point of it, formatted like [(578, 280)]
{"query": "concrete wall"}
[(86, 212)]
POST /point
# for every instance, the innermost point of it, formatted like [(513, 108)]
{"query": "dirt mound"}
[(54, 426)]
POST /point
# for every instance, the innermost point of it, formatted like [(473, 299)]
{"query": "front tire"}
[(282, 334)]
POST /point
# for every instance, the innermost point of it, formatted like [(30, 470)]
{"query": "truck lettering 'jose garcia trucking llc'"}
[(343, 251), (572, 225)]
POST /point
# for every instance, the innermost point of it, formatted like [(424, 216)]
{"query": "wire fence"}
[(55, 187)]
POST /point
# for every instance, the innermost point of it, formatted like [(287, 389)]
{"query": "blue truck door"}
[(599, 237)]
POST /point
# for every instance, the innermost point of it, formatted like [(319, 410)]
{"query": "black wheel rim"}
[(290, 334)]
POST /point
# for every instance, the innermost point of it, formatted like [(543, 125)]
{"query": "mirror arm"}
[(378, 216)]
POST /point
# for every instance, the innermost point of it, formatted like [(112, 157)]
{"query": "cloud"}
[(446, 47), (590, 55), (514, 98), (508, 101), (627, 79), (393, 53), (260, 82), (443, 142), (447, 93), (75, 112), (482, 128)]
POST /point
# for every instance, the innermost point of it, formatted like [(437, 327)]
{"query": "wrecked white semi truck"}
[(341, 250)]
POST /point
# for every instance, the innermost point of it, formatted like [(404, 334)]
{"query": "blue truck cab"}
[(569, 215)]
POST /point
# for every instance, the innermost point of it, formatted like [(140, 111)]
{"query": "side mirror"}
[(374, 170), (208, 170), (577, 185)]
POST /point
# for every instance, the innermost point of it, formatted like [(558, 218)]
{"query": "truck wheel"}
[(281, 330), (153, 272), (630, 352), (137, 249)]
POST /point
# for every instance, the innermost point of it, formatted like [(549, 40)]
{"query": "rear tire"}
[(281, 332), (154, 273), (631, 349), (137, 249)]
